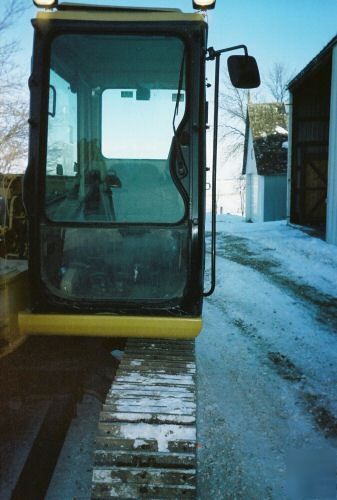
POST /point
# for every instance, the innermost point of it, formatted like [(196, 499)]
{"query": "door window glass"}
[(114, 103)]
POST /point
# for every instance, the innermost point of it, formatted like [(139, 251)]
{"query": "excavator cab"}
[(115, 188)]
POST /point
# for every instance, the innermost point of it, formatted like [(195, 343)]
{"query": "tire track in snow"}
[(237, 249), (234, 427), (249, 418), (315, 403)]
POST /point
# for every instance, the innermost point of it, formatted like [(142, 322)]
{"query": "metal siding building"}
[(312, 155)]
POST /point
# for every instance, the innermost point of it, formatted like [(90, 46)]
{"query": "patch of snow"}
[(136, 362), (102, 476), (163, 434), (281, 130), (168, 404), (138, 443), (134, 377)]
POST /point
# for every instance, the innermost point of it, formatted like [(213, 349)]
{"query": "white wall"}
[(249, 201), (254, 198), (331, 222), (250, 161), (254, 186)]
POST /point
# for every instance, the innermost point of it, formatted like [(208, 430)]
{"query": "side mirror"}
[(243, 72)]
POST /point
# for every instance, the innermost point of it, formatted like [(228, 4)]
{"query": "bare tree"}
[(277, 81), (233, 109), (13, 106)]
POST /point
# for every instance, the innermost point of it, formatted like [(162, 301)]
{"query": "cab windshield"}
[(112, 103), (116, 193)]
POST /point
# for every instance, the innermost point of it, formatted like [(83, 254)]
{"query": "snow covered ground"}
[(267, 365)]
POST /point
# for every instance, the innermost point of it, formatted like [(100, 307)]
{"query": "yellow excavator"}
[(114, 195)]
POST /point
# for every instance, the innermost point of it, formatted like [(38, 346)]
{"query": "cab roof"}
[(89, 12)]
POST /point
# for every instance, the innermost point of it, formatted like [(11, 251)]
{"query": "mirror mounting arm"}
[(212, 53)]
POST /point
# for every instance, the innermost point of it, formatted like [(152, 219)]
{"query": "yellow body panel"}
[(13, 298), (119, 16), (100, 325)]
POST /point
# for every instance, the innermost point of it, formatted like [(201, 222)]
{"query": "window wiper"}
[(183, 170)]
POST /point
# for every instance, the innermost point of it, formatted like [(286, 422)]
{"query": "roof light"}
[(204, 4), (46, 4)]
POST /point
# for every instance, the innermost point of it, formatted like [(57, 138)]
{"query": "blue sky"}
[(287, 31)]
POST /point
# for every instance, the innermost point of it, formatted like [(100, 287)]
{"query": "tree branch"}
[(13, 105)]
